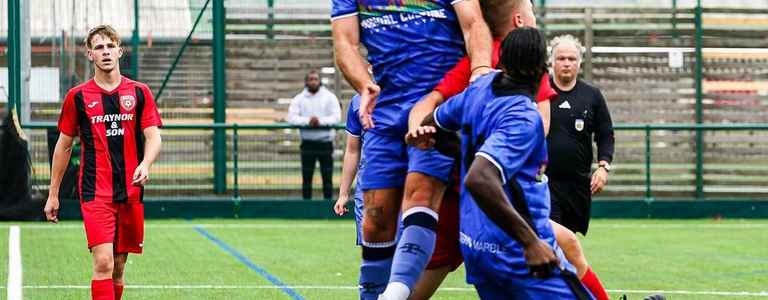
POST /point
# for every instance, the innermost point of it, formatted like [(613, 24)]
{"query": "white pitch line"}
[(350, 225), (684, 226), (14, 263), (703, 293), (205, 225), (443, 289)]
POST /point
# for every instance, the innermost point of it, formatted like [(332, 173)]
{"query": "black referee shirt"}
[(577, 115)]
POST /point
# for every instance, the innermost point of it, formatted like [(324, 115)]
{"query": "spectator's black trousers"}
[(312, 151)]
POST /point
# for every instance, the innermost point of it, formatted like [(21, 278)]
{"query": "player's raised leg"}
[(447, 255), (429, 281), (417, 242)]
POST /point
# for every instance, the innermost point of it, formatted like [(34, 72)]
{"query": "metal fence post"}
[(135, 42), (543, 14), (24, 38), (219, 98), (236, 171), (699, 99), (14, 57), (270, 19), (588, 43), (648, 156), (674, 20)]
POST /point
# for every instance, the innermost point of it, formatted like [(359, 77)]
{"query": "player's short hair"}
[(565, 39), (523, 58), (102, 30), (498, 12)]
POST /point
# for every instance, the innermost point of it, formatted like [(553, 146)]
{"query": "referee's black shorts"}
[(571, 202)]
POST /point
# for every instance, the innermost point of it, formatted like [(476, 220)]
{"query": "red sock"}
[(102, 289), (118, 291), (592, 283)]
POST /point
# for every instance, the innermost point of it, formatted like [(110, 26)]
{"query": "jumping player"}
[(411, 44), (502, 17), (447, 255), (506, 237), (117, 122)]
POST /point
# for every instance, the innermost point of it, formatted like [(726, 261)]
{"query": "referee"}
[(579, 115)]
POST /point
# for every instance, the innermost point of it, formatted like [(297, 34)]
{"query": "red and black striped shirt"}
[(110, 125)]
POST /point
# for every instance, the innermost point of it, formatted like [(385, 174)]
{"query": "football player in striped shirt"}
[(118, 125)]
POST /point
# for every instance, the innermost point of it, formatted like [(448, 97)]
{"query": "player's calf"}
[(429, 281), (379, 227), (119, 267), (378, 249), (118, 279), (423, 195), (571, 246), (413, 252)]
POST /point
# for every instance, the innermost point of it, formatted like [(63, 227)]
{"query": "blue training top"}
[(411, 45), (508, 131)]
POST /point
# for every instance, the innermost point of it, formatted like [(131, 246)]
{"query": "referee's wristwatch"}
[(606, 166)]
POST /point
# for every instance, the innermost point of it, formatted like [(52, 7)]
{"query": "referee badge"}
[(579, 124), (127, 102)]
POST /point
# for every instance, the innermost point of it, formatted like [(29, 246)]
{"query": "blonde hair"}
[(565, 39), (102, 30)]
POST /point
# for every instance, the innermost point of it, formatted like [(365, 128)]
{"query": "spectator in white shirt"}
[(315, 106)]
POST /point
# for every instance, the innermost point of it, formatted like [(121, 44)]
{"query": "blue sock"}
[(374, 269), (415, 246)]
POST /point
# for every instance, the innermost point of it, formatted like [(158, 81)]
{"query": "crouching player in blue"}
[(506, 238)]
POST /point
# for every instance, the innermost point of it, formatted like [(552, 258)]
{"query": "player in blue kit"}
[(506, 238), (349, 169), (411, 44)]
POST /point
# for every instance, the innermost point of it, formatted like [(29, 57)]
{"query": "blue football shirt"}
[(508, 131), (353, 126), (411, 45)]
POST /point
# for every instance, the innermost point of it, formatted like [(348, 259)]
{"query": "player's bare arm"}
[(483, 181), (348, 172), (477, 36), (543, 108), (427, 135), (151, 151), (425, 107), (61, 154), (346, 45)]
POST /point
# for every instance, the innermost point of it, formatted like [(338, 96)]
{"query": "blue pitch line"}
[(247, 262)]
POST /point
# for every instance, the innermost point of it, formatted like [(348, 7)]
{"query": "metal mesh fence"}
[(269, 167)]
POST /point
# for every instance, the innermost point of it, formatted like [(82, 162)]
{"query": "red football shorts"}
[(119, 223), (447, 252)]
